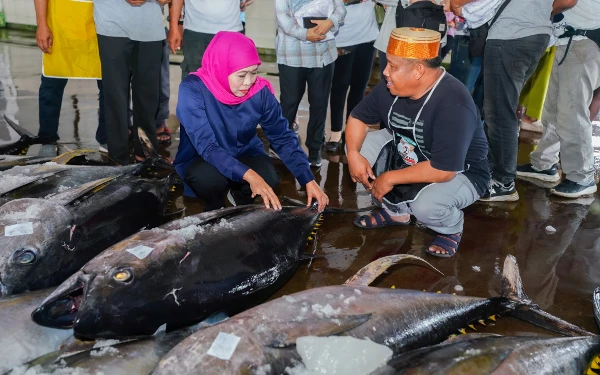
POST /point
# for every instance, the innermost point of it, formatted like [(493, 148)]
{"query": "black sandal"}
[(382, 219), (447, 242)]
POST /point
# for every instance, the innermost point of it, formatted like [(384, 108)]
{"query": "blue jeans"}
[(462, 66), (50, 101)]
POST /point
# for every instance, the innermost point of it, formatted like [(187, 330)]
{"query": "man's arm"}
[(560, 6), (43, 35), (358, 165), (174, 30), (286, 22)]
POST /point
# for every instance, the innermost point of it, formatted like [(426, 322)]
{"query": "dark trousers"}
[(293, 83), (210, 185), (382, 62), (126, 62), (194, 45), (50, 101), (507, 65), (463, 67), (351, 70)]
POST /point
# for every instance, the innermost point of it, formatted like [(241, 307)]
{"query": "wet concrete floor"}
[(559, 270)]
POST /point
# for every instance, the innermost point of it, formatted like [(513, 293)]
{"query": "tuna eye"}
[(123, 276), (24, 257)]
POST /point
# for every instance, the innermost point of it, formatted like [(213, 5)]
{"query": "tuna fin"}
[(328, 210), (25, 182), (210, 216), (335, 325), (373, 270), (72, 194), (469, 336), (523, 308), (17, 128), (68, 156)]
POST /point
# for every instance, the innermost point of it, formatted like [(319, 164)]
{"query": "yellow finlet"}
[(492, 318), (462, 331), (393, 287), (481, 321), (472, 327), (310, 238), (439, 292), (452, 336)]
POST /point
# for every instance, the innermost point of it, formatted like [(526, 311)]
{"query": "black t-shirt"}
[(452, 128)]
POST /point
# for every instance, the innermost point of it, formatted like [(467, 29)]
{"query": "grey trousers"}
[(567, 125), (439, 205)]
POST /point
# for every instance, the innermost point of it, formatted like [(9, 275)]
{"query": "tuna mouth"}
[(62, 311)]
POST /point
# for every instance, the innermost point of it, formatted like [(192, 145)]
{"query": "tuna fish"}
[(182, 272), (21, 340), (44, 241), (262, 339), (21, 146)]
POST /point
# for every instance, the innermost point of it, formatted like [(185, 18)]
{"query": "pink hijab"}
[(227, 53)]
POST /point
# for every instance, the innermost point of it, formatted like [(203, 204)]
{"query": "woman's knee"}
[(204, 179)]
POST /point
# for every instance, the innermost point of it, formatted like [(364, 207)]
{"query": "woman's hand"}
[(259, 187), (313, 191)]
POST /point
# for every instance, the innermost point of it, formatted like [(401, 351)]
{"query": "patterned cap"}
[(414, 43)]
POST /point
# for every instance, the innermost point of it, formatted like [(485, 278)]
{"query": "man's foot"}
[(163, 134), (444, 245), (380, 219), (314, 159), (549, 175), (498, 192), (50, 150), (570, 189)]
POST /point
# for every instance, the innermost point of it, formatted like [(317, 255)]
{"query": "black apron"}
[(406, 148)]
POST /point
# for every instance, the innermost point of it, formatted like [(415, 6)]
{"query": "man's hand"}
[(136, 3), (381, 186), (360, 169), (313, 191), (260, 187), (312, 36), (323, 26), (175, 39), (43, 37)]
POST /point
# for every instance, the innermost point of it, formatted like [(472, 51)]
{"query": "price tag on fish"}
[(224, 346), (141, 251), (18, 229)]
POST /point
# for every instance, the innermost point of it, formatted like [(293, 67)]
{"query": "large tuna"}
[(182, 272), (20, 339), (262, 339), (44, 241)]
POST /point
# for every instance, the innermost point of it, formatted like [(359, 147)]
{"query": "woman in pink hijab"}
[(219, 108)]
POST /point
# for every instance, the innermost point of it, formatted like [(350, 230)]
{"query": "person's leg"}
[(459, 61), (263, 166), (50, 101), (207, 183), (448, 47), (194, 45), (361, 73), (165, 91), (319, 86), (101, 131), (578, 77), (292, 82), (507, 66), (145, 88), (116, 56), (342, 73)]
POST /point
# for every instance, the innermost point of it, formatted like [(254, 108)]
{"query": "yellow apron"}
[(74, 52)]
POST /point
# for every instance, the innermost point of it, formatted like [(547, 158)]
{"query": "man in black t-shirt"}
[(430, 158)]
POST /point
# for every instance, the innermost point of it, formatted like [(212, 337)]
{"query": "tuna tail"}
[(147, 147), (373, 270), (66, 157), (523, 308), (328, 210)]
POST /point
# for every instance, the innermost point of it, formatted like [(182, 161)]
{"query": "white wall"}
[(260, 19)]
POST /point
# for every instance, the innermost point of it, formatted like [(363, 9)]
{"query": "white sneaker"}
[(103, 148), (535, 127)]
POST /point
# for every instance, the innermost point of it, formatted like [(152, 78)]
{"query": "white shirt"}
[(360, 25), (479, 12), (585, 16), (212, 16)]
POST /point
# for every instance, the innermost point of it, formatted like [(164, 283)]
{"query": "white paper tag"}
[(223, 346), (141, 251), (18, 229)]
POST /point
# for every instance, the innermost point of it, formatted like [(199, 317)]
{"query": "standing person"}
[(203, 19), (130, 37), (305, 57), (353, 66), (220, 107), (52, 89), (567, 125), (515, 44), (163, 134), (243, 5)]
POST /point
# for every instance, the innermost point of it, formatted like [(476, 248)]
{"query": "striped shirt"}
[(291, 46)]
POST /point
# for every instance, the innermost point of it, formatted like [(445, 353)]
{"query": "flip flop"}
[(163, 131), (448, 242), (382, 219)]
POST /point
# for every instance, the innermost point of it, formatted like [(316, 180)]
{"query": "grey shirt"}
[(523, 18), (117, 18)]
